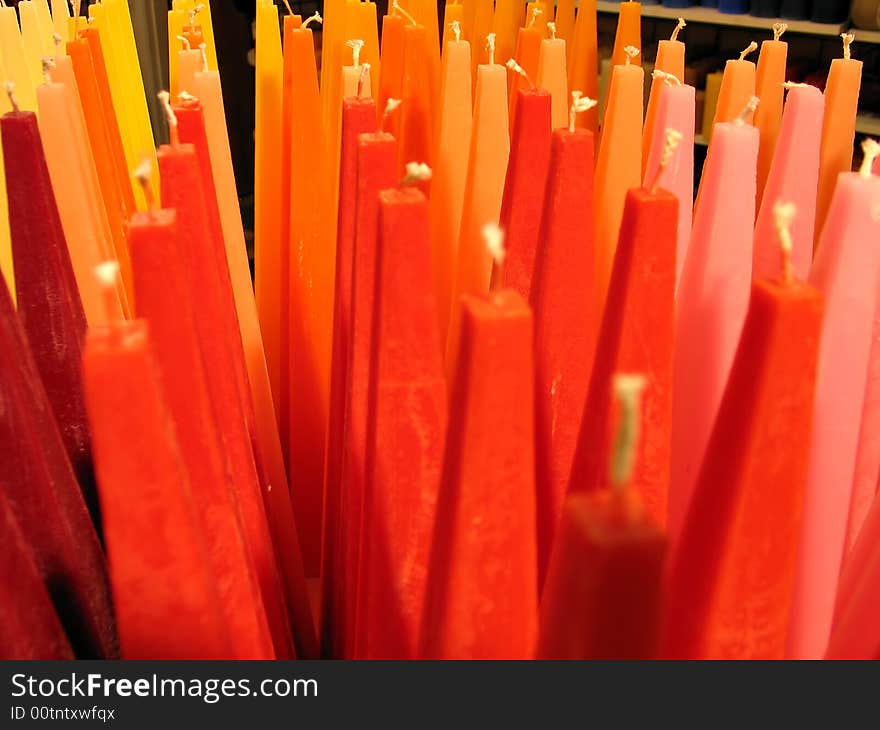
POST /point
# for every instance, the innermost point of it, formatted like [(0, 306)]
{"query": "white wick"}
[(672, 139), (848, 38), (356, 45), (48, 64), (579, 104), (416, 172), (517, 69), (186, 97), (750, 107), (669, 78), (631, 52), (493, 239), (490, 47), (170, 116), (551, 29), (455, 27), (186, 44), (793, 85), (9, 88), (681, 24), (203, 49), (871, 151), (395, 5), (107, 273), (316, 18), (535, 13), (628, 391), (783, 215), (778, 30), (362, 78), (747, 50)]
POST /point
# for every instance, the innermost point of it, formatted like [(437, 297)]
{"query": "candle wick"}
[(356, 45), (170, 117), (675, 31), (493, 239), (516, 68), (455, 27), (76, 5), (187, 98), (631, 52), (362, 78), (9, 86), (579, 104), (57, 39), (778, 30), (287, 7), (628, 391), (848, 38), (535, 13), (186, 44), (871, 151), (203, 49), (673, 138), (390, 106), (316, 18), (195, 11), (783, 215), (551, 29), (794, 85), (749, 109), (142, 174), (747, 50), (669, 79), (395, 5), (416, 172), (48, 64), (490, 48), (107, 274)]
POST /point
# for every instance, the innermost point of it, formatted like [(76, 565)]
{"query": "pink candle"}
[(712, 301), (845, 271), (676, 110), (793, 177)]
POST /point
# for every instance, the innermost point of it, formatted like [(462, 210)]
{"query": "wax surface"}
[(584, 61), (770, 75), (670, 59)]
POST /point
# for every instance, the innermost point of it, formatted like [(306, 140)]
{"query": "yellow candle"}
[(18, 70), (61, 22), (46, 28), (32, 37)]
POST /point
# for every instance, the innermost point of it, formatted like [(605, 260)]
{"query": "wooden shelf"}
[(868, 124), (865, 36), (712, 16)]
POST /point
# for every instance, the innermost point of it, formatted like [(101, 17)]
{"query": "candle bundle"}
[(501, 389)]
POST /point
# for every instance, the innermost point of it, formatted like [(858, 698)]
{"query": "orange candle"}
[(565, 23), (670, 60), (737, 87), (583, 70), (629, 32), (484, 13), (768, 88), (528, 53), (454, 13), (508, 18), (553, 76), (417, 94), (391, 77)]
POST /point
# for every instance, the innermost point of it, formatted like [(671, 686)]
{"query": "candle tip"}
[(107, 273), (783, 216), (416, 172), (9, 88), (287, 7), (194, 12), (672, 139), (778, 30), (551, 29), (170, 116), (396, 6), (186, 44), (871, 151), (847, 38), (517, 69), (669, 79), (536, 11), (390, 106), (356, 45), (631, 52), (455, 27), (203, 50), (187, 98), (493, 239), (681, 24), (793, 85), (628, 391), (490, 48), (751, 48), (315, 18), (76, 5), (362, 78), (749, 109), (47, 65), (579, 104)]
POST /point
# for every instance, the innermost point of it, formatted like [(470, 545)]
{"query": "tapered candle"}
[(603, 595), (452, 13), (618, 165), (25, 76), (37, 40), (391, 76), (6, 267), (676, 110), (711, 302), (401, 483), (737, 87), (165, 598), (629, 32), (565, 20), (770, 76), (793, 176), (845, 271), (189, 61), (417, 94), (552, 76), (565, 322), (509, 15), (669, 61), (583, 66), (356, 77), (43, 494), (482, 597), (365, 27), (636, 335), (484, 15), (838, 129), (450, 169), (732, 571), (54, 324), (30, 628), (61, 21), (527, 55)]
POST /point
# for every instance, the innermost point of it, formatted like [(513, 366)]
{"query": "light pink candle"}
[(793, 177), (676, 110), (846, 272), (712, 301)]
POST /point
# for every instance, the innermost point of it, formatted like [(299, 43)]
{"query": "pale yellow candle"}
[(553, 76), (61, 22), (32, 37), (15, 61)]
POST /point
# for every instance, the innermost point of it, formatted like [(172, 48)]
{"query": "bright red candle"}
[(29, 626), (524, 188), (565, 323), (358, 117), (165, 599), (43, 494), (482, 593), (165, 300), (49, 306), (732, 573), (405, 432), (206, 270), (636, 336)]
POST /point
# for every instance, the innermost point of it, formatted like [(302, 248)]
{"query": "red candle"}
[(603, 594), (165, 599), (42, 492), (565, 323), (358, 117), (525, 186), (29, 626), (165, 300), (732, 573), (54, 324), (636, 336), (206, 270), (406, 425), (482, 593)]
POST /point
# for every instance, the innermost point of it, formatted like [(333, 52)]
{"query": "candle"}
[(509, 16), (793, 176), (61, 22), (618, 165), (768, 116), (54, 324), (482, 596), (188, 63), (484, 186), (6, 268), (484, 15), (37, 40), (527, 56), (43, 495), (23, 74), (401, 483), (636, 335), (676, 110), (417, 93), (391, 76), (737, 87), (603, 594), (584, 62), (450, 169), (452, 13), (553, 77), (524, 188), (44, 18), (732, 571), (358, 117), (838, 129), (165, 600), (845, 271), (711, 302), (565, 21), (669, 61), (356, 78), (30, 627), (628, 33), (366, 28), (565, 323)]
